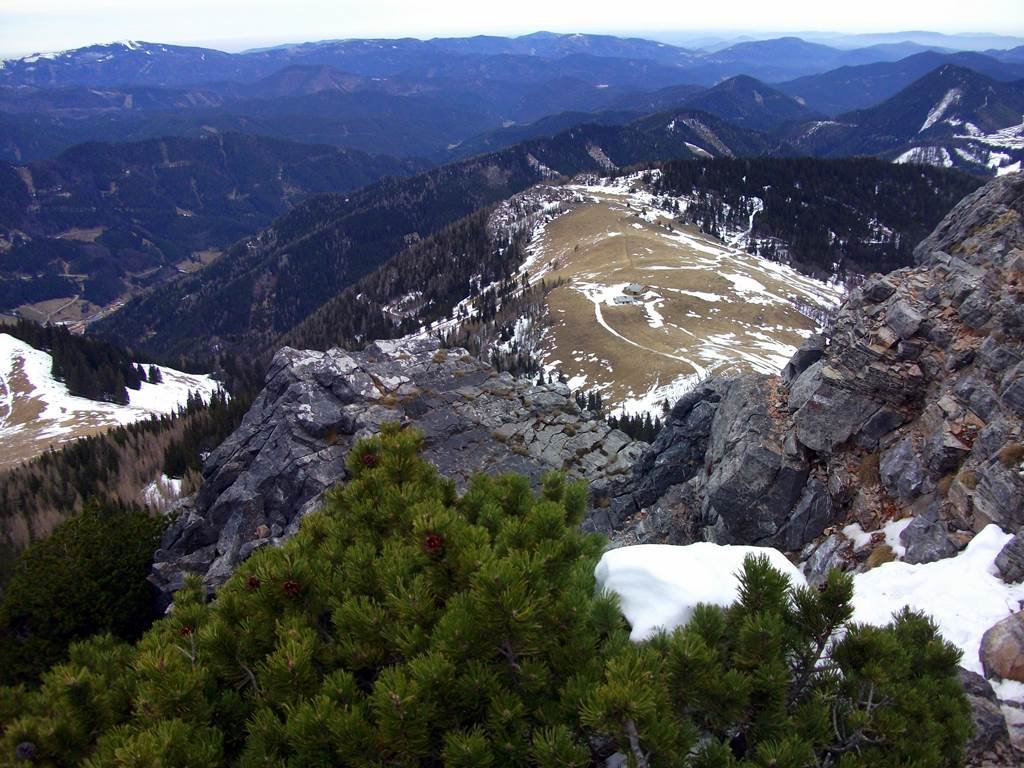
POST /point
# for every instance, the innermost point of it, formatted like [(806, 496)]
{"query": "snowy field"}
[(37, 411)]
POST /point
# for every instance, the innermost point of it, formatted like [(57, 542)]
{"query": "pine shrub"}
[(405, 625), (88, 576)]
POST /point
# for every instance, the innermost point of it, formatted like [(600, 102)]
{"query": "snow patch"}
[(660, 585), (962, 594), (61, 414), (952, 97), (163, 491), (938, 156)]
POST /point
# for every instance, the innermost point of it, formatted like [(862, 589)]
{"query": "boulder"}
[(810, 352), (926, 539), (1002, 649), (811, 515), (831, 416), (751, 484), (878, 288), (1012, 394), (1000, 495), (989, 724), (903, 319), (902, 469), (677, 454), (831, 554), (1010, 560)]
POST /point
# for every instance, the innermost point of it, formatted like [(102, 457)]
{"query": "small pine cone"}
[(433, 544), (291, 587), (253, 583), (368, 459), (187, 630)]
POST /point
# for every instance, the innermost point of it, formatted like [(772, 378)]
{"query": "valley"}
[(648, 306)]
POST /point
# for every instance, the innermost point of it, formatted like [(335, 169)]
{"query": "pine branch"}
[(634, 744)]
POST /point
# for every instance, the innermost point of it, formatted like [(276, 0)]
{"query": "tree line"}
[(88, 367)]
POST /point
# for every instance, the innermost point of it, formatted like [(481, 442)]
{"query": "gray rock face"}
[(926, 539), (904, 319), (291, 445), (832, 554), (902, 469), (830, 416), (810, 352)]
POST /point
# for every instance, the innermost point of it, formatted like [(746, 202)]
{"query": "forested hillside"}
[(420, 284), (90, 368), (102, 220), (864, 215), (825, 217), (114, 467)]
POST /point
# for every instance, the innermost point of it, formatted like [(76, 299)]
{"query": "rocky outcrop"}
[(291, 445), (911, 408)]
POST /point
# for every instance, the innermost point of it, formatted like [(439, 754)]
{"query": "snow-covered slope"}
[(37, 411)]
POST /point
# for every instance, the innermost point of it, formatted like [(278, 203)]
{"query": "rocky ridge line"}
[(291, 445)]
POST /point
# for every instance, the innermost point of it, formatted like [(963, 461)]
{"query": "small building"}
[(623, 300), (635, 289)]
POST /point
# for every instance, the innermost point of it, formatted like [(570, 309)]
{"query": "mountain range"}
[(418, 98)]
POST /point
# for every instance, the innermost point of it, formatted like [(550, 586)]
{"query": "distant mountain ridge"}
[(442, 98), (857, 87), (953, 117), (262, 289), (133, 62)]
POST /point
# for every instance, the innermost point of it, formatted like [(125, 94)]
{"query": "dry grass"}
[(32, 439), (968, 479), (880, 554), (605, 243), (868, 472), (67, 310), (1011, 455), (198, 260)]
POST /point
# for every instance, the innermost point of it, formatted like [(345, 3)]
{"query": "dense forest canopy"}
[(828, 218)]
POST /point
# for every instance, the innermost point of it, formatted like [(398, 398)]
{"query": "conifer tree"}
[(405, 625)]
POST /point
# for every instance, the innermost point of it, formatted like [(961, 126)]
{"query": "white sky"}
[(28, 26)]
